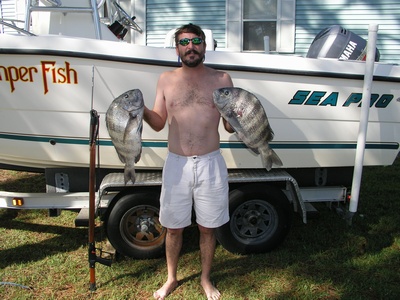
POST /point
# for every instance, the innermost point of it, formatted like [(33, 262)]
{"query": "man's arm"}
[(157, 117), (153, 119)]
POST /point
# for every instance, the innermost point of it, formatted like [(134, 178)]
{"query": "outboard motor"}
[(337, 42)]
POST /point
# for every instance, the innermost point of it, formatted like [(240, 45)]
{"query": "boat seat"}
[(169, 41)]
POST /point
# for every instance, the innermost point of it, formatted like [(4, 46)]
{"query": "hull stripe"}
[(223, 145)]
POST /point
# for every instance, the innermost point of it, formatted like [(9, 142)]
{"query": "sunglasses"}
[(186, 41)]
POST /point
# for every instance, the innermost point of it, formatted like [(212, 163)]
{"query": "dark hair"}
[(189, 28)]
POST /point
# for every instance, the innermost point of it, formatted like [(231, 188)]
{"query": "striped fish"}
[(245, 113), (124, 120)]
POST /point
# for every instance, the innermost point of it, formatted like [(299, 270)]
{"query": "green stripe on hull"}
[(223, 145)]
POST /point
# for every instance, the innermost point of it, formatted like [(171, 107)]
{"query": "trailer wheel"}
[(260, 219), (133, 226)]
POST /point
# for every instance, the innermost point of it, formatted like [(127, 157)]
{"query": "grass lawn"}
[(45, 257)]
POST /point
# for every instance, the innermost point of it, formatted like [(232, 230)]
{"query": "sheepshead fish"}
[(124, 121), (245, 113)]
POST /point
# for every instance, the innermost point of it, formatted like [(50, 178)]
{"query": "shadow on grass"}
[(66, 239), (22, 182), (145, 270)]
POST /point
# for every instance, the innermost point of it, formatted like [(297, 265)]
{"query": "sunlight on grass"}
[(47, 258)]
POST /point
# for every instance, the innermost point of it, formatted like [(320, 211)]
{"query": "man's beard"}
[(192, 63)]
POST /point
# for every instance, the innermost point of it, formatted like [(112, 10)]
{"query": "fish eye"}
[(126, 96), (226, 93)]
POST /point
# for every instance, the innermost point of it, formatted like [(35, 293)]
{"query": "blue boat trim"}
[(223, 145)]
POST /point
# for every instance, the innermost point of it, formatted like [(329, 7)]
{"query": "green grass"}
[(324, 259)]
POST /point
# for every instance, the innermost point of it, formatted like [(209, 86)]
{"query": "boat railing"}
[(10, 23)]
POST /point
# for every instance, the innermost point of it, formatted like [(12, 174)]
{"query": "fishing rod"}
[(93, 258)]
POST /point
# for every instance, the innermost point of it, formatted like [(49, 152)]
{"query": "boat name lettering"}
[(51, 73), (321, 98)]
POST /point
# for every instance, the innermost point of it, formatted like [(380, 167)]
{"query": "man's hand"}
[(228, 126)]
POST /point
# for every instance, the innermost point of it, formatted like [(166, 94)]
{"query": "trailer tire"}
[(133, 226), (260, 219)]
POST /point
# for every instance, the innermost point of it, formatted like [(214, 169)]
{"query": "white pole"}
[(362, 134)]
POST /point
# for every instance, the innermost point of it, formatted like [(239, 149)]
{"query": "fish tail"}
[(129, 174), (270, 158)]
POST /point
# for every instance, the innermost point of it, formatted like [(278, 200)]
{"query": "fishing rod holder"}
[(93, 258)]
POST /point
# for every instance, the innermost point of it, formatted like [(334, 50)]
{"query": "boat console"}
[(70, 18)]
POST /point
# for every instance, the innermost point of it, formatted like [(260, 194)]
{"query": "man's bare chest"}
[(190, 96)]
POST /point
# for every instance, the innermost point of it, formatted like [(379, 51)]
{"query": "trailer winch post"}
[(362, 134), (94, 130)]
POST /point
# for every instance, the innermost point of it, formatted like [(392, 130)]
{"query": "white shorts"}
[(199, 182)]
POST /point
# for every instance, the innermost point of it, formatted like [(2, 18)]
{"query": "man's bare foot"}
[(211, 291), (165, 290)]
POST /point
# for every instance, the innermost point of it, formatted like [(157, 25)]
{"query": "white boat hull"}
[(49, 85)]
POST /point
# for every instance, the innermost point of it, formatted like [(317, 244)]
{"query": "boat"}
[(51, 81)]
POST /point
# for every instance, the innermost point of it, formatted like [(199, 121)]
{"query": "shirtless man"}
[(195, 172)]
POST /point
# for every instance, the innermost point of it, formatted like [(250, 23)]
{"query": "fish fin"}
[(255, 150), (137, 157), (269, 158), (270, 135), (121, 157), (129, 173), (235, 124), (131, 124), (140, 127)]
